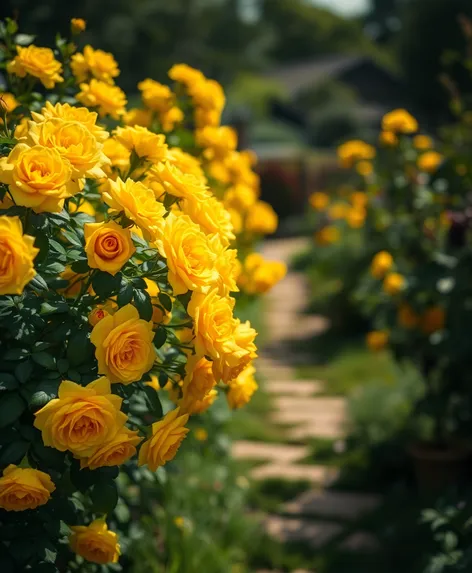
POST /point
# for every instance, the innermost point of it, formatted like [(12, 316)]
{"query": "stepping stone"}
[(330, 429), (333, 504), (332, 405), (315, 533), (360, 541), (278, 453), (315, 474), (294, 387)]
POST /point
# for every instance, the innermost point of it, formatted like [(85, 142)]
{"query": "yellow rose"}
[(202, 405), (241, 389), (359, 199), (381, 264), (227, 266), (319, 201), (81, 418), (355, 150), (68, 112), (146, 145), (198, 382), (355, 217), (429, 161), (74, 142), (108, 246), (137, 202), (97, 314), (156, 96), (75, 280), (17, 253), (22, 128), (118, 154), (399, 121), (259, 275), (167, 435), (24, 488), (262, 219), (113, 452), (77, 25), (236, 220), (327, 235), (338, 211), (37, 62), (388, 138), (101, 65), (433, 320), (407, 317), (38, 177), (201, 435), (110, 100), (422, 142), (169, 118), (364, 168), (212, 217), (186, 163), (240, 197), (230, 365), (124, 348), (95, 542), (168, 178), (217, 142), (189, 257), (377, 340), (208, 94), (138, 116), (393, 283), (8, 103), (185, 74)]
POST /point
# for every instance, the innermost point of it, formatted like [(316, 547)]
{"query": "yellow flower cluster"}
[(258, 275)]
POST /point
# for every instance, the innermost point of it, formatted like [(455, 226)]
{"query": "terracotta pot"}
[(438, 467)]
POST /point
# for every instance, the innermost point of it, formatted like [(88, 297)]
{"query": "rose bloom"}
[(212, 217), (95, 542), (240, 197), (170, 118), (327, 235), (381, 264), (355, 150), (198, 406), (393, 283), (407, 317), (37, 62), (77, 25), (8, 103), (74, 142), (388, 138), (108, 246), (156, 96), (185, 74), (137, 202), (262, 219), (114, 452), (355, 217), (97, 315), (38, 177), (71, 113), (186, 163), (81, 418), (259, 275), (198, 382), (17, 253), (377, 340), (24, 488), (227, 266), (230, 365), (217, 142), (167, 178), (146, 145), (423, 142), (167, 435), (101, 65), (429, 161), (241, 389), (119, 156), (188, 254), (138, 116), (123, 343), (110, 100), (399, 121), (208, 94)]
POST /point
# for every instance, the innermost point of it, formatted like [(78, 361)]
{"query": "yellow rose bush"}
[(126, 241)]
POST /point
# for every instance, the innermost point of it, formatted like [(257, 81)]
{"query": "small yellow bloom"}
[(147, 145), (381, 264), (37, 62), (77, 25), (179, 522), (108, 99), (429, 161), (327, 235), (81, 418), (240, 198), (388, 138), (230, 365), (338, 211), (108, 246), (156, 96), (355, 150), (211, 215), (17, 253), (95, 542), (261, 219), (201, 435), (364, 168), (8, 103), (377, 340), (123, 345), (399, 121), (258, 276), (433, 320), (355, 217), (167, 436), (21, 129), (198, 382), (423, 142), (118, 154), (113, 452), (242, 388), (407, 317), (319, 201), (359, 199), (394, 283), (217, 142), (168, 178), (200, 406), (94, 63), (185, 74), (97, 314), (170, 118), (186, 163), (138, 116), (24, 488), (38, 177), (137, 202)]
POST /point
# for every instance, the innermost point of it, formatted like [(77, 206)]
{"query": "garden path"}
[(318, 517)]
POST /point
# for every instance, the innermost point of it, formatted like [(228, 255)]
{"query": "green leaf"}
[(15, 354), (44, 359), (125, 294), (80, 267), (160, 337), (59, 306), (82, 479), (51, 457), (14, 452), (41, 242), (23, 371), (62, 365), (143, 303), (163, 379), (154, 402), (43, 392), (38, 283), (104, 497), (8, 381), (165, 300), (11, 408), (105, 284), (72, 238), (79, 348)]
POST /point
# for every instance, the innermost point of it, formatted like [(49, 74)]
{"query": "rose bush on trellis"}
[(119, 238)]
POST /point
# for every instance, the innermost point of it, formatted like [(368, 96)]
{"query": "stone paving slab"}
[(294, 387), (315, 533), (360, 541), (333, 429), (292, 472), (334, 504), (279, 453), (332, 405)]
